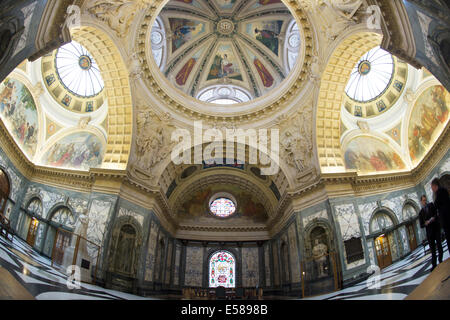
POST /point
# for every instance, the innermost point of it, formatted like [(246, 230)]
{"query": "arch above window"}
[(35, 206), (224, 94), (381, 221), (222, 270), (64, 217)]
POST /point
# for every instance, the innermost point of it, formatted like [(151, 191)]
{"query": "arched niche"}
[(125, 247)]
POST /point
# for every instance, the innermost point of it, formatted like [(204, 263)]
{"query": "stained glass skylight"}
[(371, 75), (78, 70), (222, 207)]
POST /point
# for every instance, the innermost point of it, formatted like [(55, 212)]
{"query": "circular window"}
[(371, 76), (222, 207), (78, 70)]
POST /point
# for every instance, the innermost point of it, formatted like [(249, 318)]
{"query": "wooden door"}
[(32, 231), (411, 236), (62, 242), (4, 191), (383, 251)]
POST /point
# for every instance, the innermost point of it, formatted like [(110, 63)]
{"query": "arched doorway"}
[(381, 227), (32, 223), (59, 235), (4, 191), (222, 270), (410, 215)]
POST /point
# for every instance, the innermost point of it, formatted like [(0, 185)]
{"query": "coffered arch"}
[(331, 96), (117, 92)]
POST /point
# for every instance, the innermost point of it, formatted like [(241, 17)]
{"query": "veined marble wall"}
[(250, 267), (267, 265), (293, 251), (194, 267), (176, 274), (168, 264), (150, 260)]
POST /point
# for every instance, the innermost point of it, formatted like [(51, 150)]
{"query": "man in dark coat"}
[(429, 220), (442, 204)]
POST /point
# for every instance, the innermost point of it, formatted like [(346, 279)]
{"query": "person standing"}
[(429, 220), (442, 204)]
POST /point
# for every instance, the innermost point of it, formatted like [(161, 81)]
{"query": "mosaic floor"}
[(34, 273)]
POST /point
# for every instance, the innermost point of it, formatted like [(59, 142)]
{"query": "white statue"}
[(319, 253)]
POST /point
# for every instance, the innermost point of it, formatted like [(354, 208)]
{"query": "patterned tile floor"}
[(34, 272), (396, 282)]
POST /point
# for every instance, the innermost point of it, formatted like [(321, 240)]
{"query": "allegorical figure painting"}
[(366, 154), (19, 114), (184, 30), (224, 64), (266, 32), (428, 118), (80, 150)]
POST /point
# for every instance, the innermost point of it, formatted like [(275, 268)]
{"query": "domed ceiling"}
[(225, 51)]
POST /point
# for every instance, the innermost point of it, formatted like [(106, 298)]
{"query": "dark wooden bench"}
[(5, 228)]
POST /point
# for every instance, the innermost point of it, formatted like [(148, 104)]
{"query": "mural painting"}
[(184, 30), (224, 64), (428, 119), (366, 154), (80, 150), (225, 4), (266, 32), (249, 208), (19, 114)]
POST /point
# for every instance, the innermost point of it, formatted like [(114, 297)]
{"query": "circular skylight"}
[(371, 75), (78, 70), (222, 207)]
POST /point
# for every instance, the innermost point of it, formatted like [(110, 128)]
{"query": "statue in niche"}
[(319, 253), (125, 250)]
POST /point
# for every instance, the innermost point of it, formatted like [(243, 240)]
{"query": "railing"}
[(321, 275), (70, 249)]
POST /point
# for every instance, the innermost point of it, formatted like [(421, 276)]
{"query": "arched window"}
[(35, 207), (64, 217), (222, 268)]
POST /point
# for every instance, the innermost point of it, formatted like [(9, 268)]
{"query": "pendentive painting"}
[(19, 114), (81, 150), (366, 154), (428, 119)]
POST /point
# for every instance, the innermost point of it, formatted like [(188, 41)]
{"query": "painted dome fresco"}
[(225, 51)]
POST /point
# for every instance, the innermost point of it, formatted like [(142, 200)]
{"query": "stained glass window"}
[(371, 75), (222, 207), (78, 70), (222, 270)]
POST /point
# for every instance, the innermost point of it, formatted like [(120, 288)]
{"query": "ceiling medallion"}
[(364, 68), (85, 62), (225, 27)]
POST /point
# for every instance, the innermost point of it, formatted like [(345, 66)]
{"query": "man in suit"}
[(442, 204), (429, 220)]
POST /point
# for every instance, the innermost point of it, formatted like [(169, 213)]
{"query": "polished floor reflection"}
[(25, 271)]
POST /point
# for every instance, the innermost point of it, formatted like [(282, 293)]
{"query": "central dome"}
[(225, 51)]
